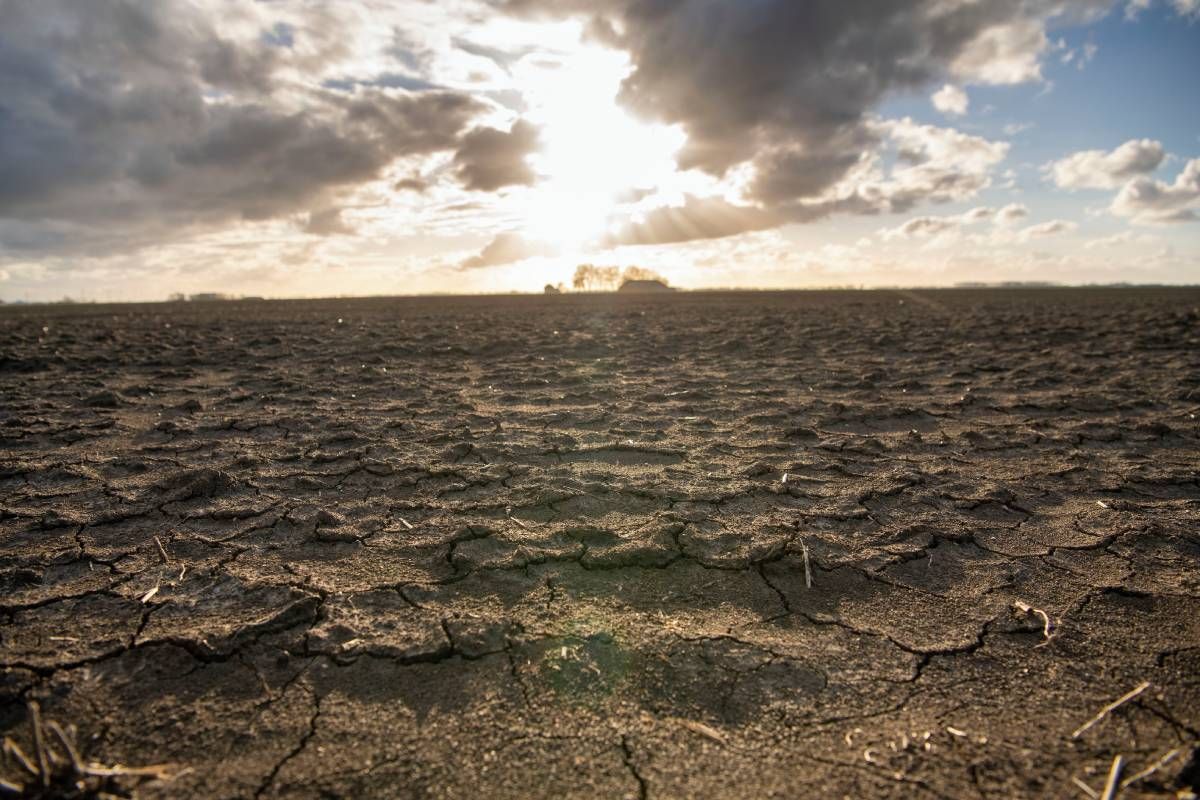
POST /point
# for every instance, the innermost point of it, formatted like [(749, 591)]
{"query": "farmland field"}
[(861, 544)]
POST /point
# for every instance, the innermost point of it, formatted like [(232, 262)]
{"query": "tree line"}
[(591, 278)]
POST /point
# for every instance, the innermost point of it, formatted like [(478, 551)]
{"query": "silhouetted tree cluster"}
[(591, 278)]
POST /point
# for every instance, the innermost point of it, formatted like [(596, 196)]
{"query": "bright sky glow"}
[(594, 152)]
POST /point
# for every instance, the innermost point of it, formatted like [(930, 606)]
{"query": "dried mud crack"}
[(711, 545)]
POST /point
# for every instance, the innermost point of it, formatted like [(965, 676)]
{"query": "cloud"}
[(1045, 229), (1097, 169), (1119, 240), (789, 88), (951, 100), (1011, 213), (412, 184), (979, 214), (1140, 198), (946, 230), (922, 226), (787, 172), (933, 165), (1148, 201), (927, 226), (141, 121), (1184, 8), (489, 159), (697, 218), (327, 222), (1080, 57), (501, 57), (1005, 54), (128, 125), (1135, 7), (507, 248), (936, 165)]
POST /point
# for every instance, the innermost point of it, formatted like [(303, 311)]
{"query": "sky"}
[(289, 148)]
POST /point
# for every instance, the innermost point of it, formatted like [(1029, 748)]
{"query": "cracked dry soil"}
[(556, 547)]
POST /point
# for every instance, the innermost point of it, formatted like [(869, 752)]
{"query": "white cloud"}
[(968, 231), (1004, 54), (919, 227), (1011, 213), (932, 165), (931, 226), (1051, 228), (1014, 128), (951, 100), (938, 165), (1184, 8), (1135, 7), (1148, 201), (1119, 240), (1080, 57), (943, 231), (979, 214), (1096, 169), (507, 248)]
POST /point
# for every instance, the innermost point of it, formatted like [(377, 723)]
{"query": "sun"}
[(593, 153)]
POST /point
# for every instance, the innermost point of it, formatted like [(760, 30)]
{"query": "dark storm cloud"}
[(789, 86), (123, 113), (490, 159)]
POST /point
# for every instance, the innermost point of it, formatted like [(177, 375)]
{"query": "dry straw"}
[(1111, 707)]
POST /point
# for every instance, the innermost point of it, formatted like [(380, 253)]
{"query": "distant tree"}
[(591, 278), (636, 273), (583, 276)]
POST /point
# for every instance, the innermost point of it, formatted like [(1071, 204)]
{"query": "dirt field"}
[(701, 545)]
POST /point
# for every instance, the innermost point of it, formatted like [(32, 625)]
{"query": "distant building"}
[(644, 287), (207, 297)]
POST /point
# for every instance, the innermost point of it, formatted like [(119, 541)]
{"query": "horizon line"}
[(200, 298)]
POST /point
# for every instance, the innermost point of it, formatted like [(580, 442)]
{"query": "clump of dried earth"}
[(701, 545)]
